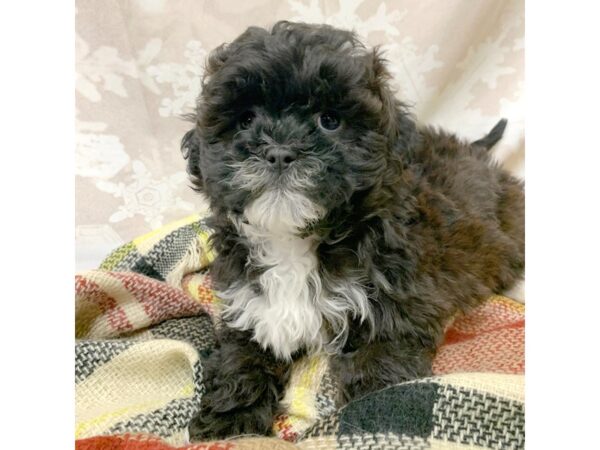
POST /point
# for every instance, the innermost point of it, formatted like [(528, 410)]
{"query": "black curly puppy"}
[(340, 225)]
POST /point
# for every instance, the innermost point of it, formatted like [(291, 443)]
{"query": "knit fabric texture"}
[(148, 315)]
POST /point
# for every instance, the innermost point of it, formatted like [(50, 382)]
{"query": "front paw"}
[(224, 413), (210, 424)]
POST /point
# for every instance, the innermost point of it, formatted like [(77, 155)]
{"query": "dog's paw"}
[(211, 425), (224, 414)]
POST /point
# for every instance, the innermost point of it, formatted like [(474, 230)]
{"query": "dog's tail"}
[(492, 138)]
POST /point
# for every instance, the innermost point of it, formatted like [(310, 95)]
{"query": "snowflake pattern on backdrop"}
[(101, 69), (98, 155), (102, 156), (183, 79), (346, 16), (146, 195)]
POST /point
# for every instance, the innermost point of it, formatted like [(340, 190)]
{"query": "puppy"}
[(340, 225)]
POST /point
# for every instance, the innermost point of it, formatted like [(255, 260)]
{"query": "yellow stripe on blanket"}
[(508, 302), (142, 378), (209, 254), (300, 396)]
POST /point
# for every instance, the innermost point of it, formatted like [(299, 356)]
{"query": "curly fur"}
[(373, 238)]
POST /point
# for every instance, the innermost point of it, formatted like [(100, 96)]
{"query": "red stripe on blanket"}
[(159, 300), (284, 428), (490, 315), (89, 291), (498, 352), (454, 336), (142, 442), (490, 338)]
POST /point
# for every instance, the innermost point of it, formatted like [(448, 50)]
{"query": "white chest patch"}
[(289, 304)]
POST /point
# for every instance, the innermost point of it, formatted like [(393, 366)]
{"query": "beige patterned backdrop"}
[(139, 62)]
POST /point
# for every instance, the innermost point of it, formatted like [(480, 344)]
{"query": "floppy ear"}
[(218, 56), (190, 149), (396, 121)]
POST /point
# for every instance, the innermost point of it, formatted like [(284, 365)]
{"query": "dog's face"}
[(292, 124)]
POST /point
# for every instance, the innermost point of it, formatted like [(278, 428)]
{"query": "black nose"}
[(280, 157)]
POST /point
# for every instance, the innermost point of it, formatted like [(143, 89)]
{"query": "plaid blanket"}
[(148, 315)]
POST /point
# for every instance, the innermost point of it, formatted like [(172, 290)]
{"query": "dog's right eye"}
[(329, 121), (246, 119)]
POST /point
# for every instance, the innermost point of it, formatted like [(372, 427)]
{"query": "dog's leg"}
[(243, 387), (378, 364)]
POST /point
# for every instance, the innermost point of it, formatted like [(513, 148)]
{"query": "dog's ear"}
[(218, 56), (396, 121), (216, 59), (190, 149)]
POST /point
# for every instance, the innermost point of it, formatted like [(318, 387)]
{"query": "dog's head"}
[(293, 126)]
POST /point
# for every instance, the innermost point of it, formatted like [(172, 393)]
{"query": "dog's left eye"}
[(329, 121), (246, 119)]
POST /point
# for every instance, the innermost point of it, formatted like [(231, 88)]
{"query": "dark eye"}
[(329, 121), (246, 119)]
